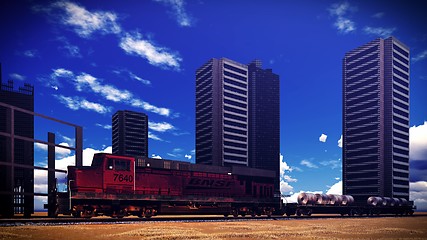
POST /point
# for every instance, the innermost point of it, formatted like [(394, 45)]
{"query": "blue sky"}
[(88, 59)]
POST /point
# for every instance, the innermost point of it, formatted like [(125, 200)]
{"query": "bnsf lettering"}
[(210, 182), (123, 178)]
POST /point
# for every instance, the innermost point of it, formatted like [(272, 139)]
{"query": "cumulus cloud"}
[(340, 142), (157, 56), (188, 156), (82, 21), (76, 103), (418, 194), (343, 23), (420, 56), (285, 179), (156, 156), (308, 164), (418, 142), (178, 10), (59, 151), (16, 76), (379, 31), (323, 137), (335, 189), (160, 127)]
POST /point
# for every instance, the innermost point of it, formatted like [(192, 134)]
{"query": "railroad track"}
[(44, 221)]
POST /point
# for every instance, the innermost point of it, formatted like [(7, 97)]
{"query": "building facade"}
[(222, 113), (264, 118), (237, 115), (376, 120), (16, 183), (130, 133)]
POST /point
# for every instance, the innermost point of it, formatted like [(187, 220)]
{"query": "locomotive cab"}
[(119, 174)]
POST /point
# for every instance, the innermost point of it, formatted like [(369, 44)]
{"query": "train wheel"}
[(76, 214), (87, 213), (234, 213), (298, 212), (226, 215)]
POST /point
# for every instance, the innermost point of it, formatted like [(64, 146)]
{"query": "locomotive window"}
[(97, 161), (121, 165)]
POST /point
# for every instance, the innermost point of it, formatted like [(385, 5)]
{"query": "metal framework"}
[(10, 159)]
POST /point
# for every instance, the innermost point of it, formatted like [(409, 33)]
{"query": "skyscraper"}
[(130, 133), (237, 115), (376, 120), (222, 113), (16, 183), (264, 118)]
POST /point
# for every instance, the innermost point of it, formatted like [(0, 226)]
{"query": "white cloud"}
[(379, 31), (144, 81), (160, 127), (288, 178), (106, 126), (335, 189), (179, 11), (337, 178), (331, 163), (323, 137), (418, 142), (308, 164), (378, 15), (342, 22), (16, 76), (84, 22), (32, 53), (156, 156), (157, 56), (285, 187), (61, 73), (59, 151), (418, 194), (76, 103), (154, 137), (88, 82), (420, 56), (345, 25), (69, 49), (340, 142), (188, 156)]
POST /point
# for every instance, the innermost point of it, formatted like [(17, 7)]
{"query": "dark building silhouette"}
[(376, 120), (130, 133), (16, 183), (264, 119), (237, 115)]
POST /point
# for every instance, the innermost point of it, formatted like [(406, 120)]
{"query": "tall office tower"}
[(16, 181), (264, 119), (222, 113), (130, 133), (376, 120)]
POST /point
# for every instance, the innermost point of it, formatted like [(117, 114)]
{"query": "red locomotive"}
[(119, 186)]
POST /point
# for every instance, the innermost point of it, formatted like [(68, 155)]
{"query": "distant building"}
[(376, 120), (130, 133), (264, 118), (237, 115), (16, 183)]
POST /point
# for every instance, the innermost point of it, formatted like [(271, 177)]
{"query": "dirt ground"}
[(347, 228)]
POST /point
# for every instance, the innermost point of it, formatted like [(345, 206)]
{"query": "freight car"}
[(120, 186), (309, 203)]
